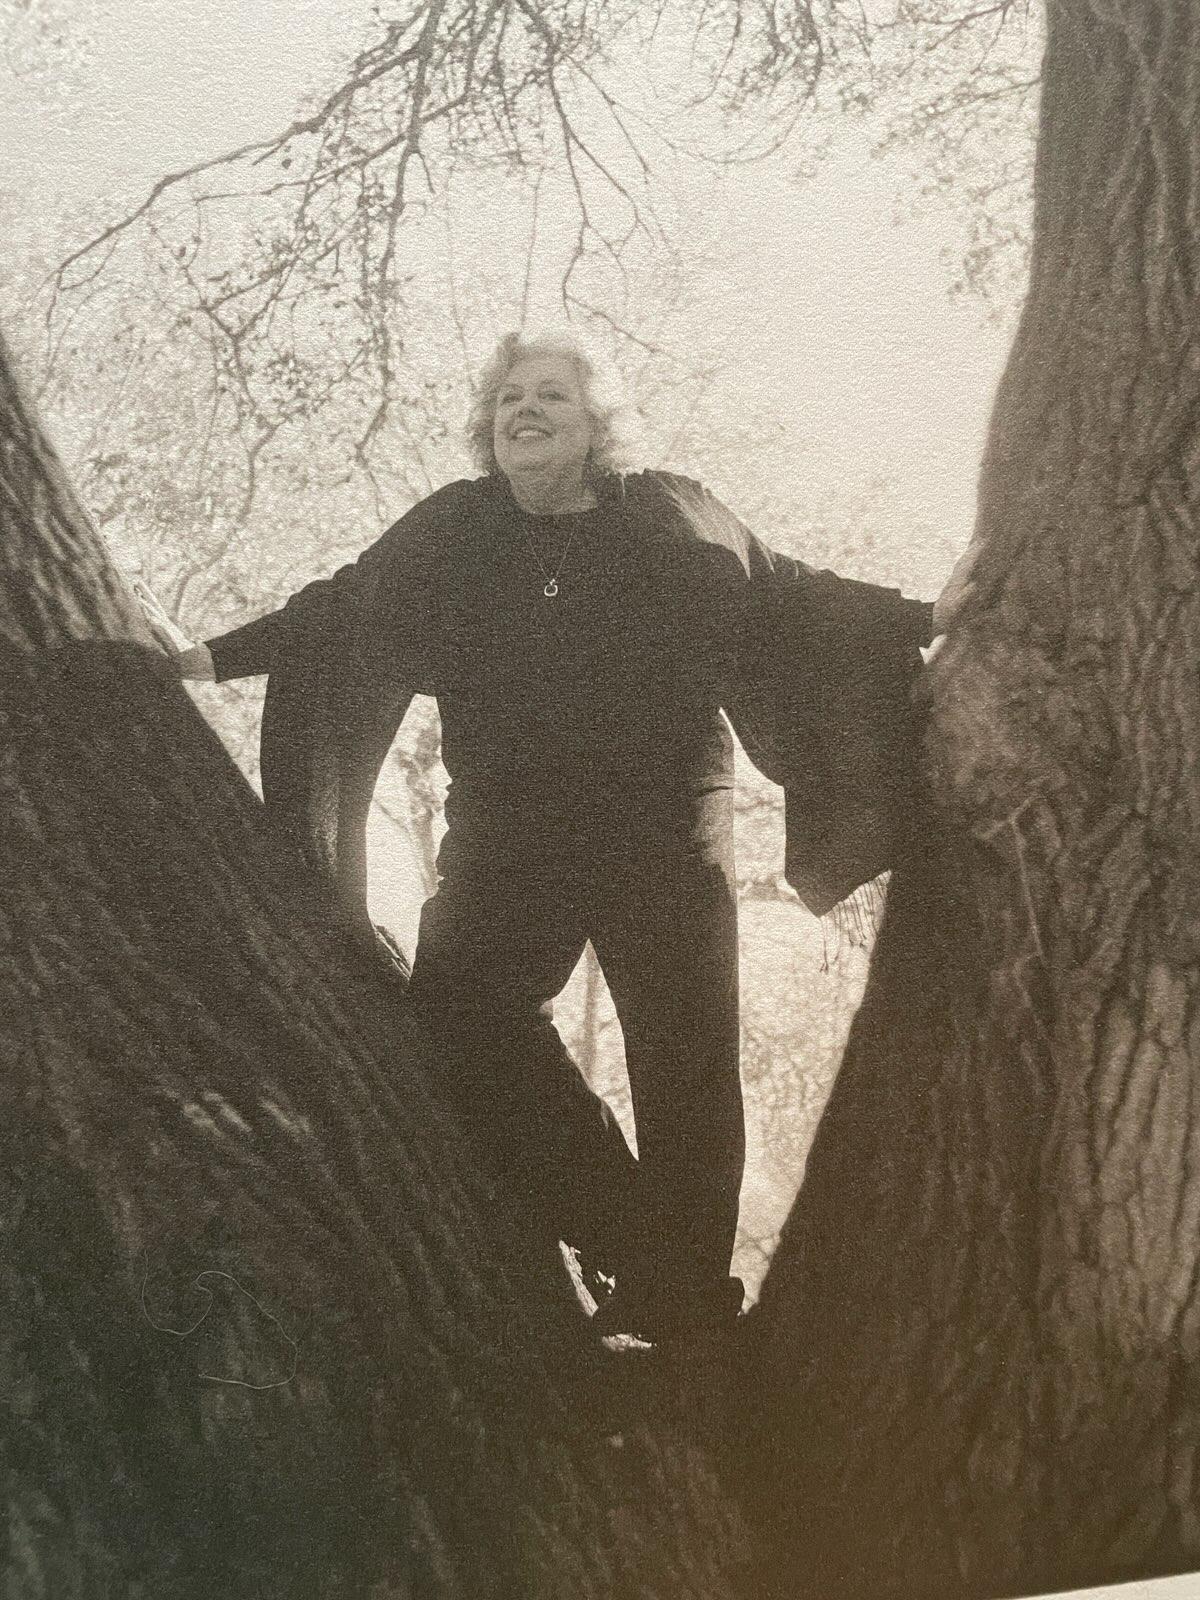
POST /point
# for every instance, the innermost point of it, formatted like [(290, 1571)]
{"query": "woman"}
[(580, 628)]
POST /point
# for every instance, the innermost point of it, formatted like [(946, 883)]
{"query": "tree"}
[(976, 1353), (266, 1331), (299, 252), (974, 1365)]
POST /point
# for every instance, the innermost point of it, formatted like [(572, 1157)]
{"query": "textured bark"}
[(981, 1337), (261, 1331)]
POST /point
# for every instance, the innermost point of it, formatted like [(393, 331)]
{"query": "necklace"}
[(551, 588)]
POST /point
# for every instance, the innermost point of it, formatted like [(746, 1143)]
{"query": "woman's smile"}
[(542, 424)]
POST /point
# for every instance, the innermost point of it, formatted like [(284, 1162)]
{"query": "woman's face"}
[(541, 418)]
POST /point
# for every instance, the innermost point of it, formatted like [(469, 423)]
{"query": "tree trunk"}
[(980, 1342), (262, 1332)]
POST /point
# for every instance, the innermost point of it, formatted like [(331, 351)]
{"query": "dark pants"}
[(520, 894)]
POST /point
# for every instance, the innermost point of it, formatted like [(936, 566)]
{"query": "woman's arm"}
[(192, 660), (766, 569), (326, 603), (394, 575)]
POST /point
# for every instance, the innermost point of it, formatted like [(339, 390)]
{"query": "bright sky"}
[(839, 318), (859, 349)]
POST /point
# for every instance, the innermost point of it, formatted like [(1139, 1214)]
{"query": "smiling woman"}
[(581, 627), (542, 435), (573, 387)]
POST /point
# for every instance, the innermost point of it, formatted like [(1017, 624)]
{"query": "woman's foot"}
[(593, 1286), (646, 1316)]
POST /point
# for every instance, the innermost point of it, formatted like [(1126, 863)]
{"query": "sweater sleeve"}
[(392, 578), (246, 652), (764, 571)]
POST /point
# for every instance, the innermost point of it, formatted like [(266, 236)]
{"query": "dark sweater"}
[(606, 696), (612, 687)]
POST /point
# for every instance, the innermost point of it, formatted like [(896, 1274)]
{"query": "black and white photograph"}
[(600, 799)]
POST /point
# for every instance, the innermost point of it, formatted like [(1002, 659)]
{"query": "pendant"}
[(551, 589)]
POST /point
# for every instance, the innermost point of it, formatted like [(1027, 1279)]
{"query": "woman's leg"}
[(665, 932), (497, 942)]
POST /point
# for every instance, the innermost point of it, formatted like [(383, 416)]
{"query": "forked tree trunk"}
[(980, 1342), (258, 1335), (975, 1366)]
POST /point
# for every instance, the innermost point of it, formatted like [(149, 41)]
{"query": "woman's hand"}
[(960, 586), (948, 607), (192, 660)]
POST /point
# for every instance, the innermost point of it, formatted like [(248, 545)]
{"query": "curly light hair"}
[(614, 420)]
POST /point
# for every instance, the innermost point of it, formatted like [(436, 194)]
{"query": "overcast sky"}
[(834, 297)]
